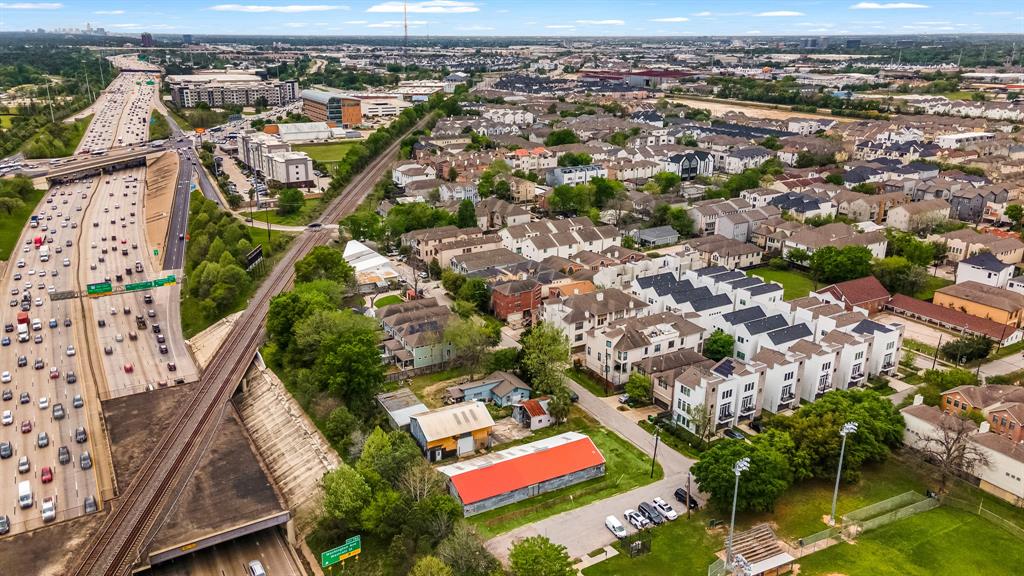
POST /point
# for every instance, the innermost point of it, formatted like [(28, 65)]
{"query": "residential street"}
[(582, 530)]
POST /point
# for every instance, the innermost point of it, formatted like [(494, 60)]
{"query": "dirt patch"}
[(508, 430), (432, 395), (719, 107), (161, 179)]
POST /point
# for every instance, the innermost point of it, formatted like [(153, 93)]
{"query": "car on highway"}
[(70, 377), (44, 403), (90, 504), (24, 398), (8, 394), (85, 461), (63, 455), (77, 401), (651, 513), (54, 373), (70, 350), (5, 377), (8, 417), (46, 475), (24, 465), (49, 510), (58, 411), (6, 450), (664, 508), (80, 435), (636, 519), (26, 426), (5, 524), (5, 341)]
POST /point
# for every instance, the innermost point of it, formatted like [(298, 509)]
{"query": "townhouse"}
[(576, 315), (414, 333), (705, 214), (968, 203), (611, 351), (408, 172), (868, 207), (531, 159), (760, 197), (802, 205), (564, 238), (741, 159), (741, 225), (729, 391), (1002, 406), (573, 175), (689, 165), (718, 250), (494, 213), (446, 251), (984, 268), (423, 244), (838, 235), (965, 243), (917, 216)]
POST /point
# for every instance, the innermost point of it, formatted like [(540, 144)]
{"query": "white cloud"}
[(559, 26), (703, 14), (601, 22), (109, 12), (886, 6), (31, 5), (779, 14), (671, 19), (355, 22), (427, 7), (396, 24), (288, 9), (752, 32)]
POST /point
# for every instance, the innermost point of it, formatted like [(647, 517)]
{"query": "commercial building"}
[(221, 89), (455, 430), (274, 160), (518, 473), (984, 301), (322, 106)]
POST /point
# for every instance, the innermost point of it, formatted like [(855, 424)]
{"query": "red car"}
[(47, 475), (54, 373), (26, 426), (128, 368)]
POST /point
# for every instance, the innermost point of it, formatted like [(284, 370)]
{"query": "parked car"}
[(686, 499), (651, 513), (636, 519), (615, 527), (733, 433), (664, 508), (624, 399)]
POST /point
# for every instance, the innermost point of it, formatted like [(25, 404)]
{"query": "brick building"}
[(518, 299)]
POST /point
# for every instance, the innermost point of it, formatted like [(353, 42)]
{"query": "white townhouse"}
[(614, 349), (578, 314), (730, 391)]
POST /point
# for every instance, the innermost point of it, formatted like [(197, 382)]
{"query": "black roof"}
[(789, 334), (728, 276), (870, 327), (764, 289), (712, 302), (724, 368), (796, 202), (689, 294), (656, 280), (986, 261), (744, 315), (745, 282), (767, 324), (711, 270)]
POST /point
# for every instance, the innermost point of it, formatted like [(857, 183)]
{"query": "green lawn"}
[(939, 542), (795, 284), (325, 153), (933, 284), (310, 209), (588, 381), (626, 468), (387, 301), (6, 120), (12, 224), (682, 547)]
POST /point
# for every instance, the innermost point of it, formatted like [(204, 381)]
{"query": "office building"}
[(147, 40), (321, 106)]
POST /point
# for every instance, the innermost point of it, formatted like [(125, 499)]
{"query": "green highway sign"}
[(350, 548), (98, 288), (156, 252), (168, 281)]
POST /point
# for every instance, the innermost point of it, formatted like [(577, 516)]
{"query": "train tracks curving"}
[(138, 512)]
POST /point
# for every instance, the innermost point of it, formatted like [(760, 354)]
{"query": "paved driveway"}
[(582, 530)]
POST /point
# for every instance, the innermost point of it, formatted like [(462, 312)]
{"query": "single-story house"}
[(500, 388), (657, 236), (455, 430), (400, 405), (533, 414), (867, 293), (521, 472)]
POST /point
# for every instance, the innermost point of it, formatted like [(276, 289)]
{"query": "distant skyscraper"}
[(186, 38), (853, 44), (147, 40)]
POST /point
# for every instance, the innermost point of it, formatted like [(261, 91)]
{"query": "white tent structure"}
[(372, 269)]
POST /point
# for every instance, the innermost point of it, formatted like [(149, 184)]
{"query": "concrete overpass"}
[(81, 166)]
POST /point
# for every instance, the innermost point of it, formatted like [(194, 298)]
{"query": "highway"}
[(129, 528)]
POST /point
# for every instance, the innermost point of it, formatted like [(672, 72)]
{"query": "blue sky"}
[(522, 17)]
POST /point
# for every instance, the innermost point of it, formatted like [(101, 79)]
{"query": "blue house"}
[(500, 388)]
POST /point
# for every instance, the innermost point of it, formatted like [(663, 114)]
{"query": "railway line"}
[(136, 515)]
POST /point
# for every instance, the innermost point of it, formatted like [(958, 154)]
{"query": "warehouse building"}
[(521, 472)]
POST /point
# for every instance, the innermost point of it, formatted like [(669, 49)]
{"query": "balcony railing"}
[(747, 409), (726, 416), (824, 388), (857, 376), (787, 398)]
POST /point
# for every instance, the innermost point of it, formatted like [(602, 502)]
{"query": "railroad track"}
[(136, 514)]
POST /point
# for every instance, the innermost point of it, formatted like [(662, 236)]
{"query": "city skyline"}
[(526, 18)]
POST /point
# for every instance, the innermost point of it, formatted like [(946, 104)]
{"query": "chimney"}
[(600, 296), (984, 427), (918, 399)]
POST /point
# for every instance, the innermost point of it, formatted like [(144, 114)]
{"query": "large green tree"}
[(768, 476), (830, 264), (430, 566), (538, 556), (639, 388), (466, 217), (545, 357), (718, 345), (340, 350), (324, 263), (470, 341), (290, 201), (559, 137), (345, 496), (465, 552), (900, 275)]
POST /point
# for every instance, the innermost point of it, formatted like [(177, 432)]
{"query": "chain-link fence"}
[(717, 568), (814, 542), (978, 508)]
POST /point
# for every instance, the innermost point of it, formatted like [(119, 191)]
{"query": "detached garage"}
[(518, 473)]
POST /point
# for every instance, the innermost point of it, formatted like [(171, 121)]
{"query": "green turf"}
[(387, 301), (6, 120), (931, 285), (310, 209), (795, 284), (325, 153), (940, 542), (682, 547), (588, 381), (12, 224), (626, 468)]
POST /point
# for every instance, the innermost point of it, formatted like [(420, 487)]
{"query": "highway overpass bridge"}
[(85, 165)]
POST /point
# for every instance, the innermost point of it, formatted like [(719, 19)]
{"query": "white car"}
[(71, 350), (665, 508), (615, 527), (5, 377), (44, 403), (636, 519), (8, 418)]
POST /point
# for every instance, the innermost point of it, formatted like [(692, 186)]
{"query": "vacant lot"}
[(325, 153), (921, 546), (796, 284), (931, 285)]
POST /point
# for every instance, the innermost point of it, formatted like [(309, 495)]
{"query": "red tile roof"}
[(527, 470), (858, 291), (951, 317)]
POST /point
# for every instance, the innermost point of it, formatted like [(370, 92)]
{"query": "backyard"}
[(795, 284), (12, 224), (932, 284)]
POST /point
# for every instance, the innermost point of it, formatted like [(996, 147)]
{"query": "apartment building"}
[(573, 175), (409, 172), (965, 243), (562, 238), (689, 165), (275, 161), (984, 301), (729, 391), (918, 215), (494, 213), (838, 235), (740, 226), (613, 350), (984, 268), (320, 106), (217, 90), (577, 315), (705, 214), (446, 251), (423, 244)]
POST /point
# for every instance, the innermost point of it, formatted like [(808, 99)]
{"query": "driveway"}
[(916, 330), (582, 530)]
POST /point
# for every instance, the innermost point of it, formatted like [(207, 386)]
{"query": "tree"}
[(628, 242), (474, 290), (771, 143), (470, 342), (420, 481), (967, 348), (430, 566), (897, 274), (559, 405), (340, 424), (10, 205), (798, 255), (324, 263), (452, 281), (702, 422), (666, 181), (453, 174), (289, 201), (340, 349), (345, 495), (718, 345), (834, 178), (559, 137), (465, 552), (434, 268), (545, 357), (865, 188), (760, 486), (949, 447), (362, 225), (466, 217), (639, 388), (830, 264), (386, 457), (575, 159), (1015, 213), (538, 556)]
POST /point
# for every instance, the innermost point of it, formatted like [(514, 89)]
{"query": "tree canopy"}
[(768, 476), (538, 556), (545, 357), (718, 345), (830, 264)]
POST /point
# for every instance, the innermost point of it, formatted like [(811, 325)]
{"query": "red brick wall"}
[(505, 305)]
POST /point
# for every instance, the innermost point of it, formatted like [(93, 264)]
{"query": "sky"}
[(522, 17)]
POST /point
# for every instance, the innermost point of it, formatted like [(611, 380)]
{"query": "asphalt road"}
[(233, 557)]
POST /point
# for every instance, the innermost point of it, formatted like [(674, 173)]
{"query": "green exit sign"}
[(350, 548)]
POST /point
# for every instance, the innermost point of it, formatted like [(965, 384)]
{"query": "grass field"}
[(12, 224), (795, 284), (940, 542), (310, 209), (387, 301), (626, 468), (681, 547), (6, 120), (587, 381), (933, 284), (325, 153)]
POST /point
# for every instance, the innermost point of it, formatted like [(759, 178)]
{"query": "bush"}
[(778, 264)]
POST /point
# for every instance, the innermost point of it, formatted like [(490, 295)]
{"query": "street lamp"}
[(741, 466), (846, 430)]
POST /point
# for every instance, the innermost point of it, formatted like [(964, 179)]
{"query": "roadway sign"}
[(169, 280), (350, 548), (98, 289), (254, 256), (156, 252)]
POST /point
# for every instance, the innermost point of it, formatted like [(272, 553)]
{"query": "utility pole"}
[(654, 457), (741, 466), (846, 430), (688, 495), (935, 357)]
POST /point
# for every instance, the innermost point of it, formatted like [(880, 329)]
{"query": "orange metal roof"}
[(527, 470)]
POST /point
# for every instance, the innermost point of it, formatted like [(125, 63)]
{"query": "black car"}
[(734, 434), (70, 376), (686, 499), (651, 513), (5, 450)]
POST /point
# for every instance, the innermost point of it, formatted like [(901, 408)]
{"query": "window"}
[(657, 347), (890, 345), (858, 355), (579, 338), (949, 400), (671, 343), (685, 391), (787, 391), (740, 355), (823, 381), (748, 387), (826, 366), (726, 394), (607, 343), (741, 339), (579, 325), (956, 403), (788, 376), (724, 412)]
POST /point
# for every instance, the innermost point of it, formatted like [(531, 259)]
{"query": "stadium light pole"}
[(846, 430), (741, 466)]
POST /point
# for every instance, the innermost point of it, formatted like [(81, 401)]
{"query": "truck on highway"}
[(22, 332), (25, 494), (23, 318), (44, 253), (34, 221), (38, 241)]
